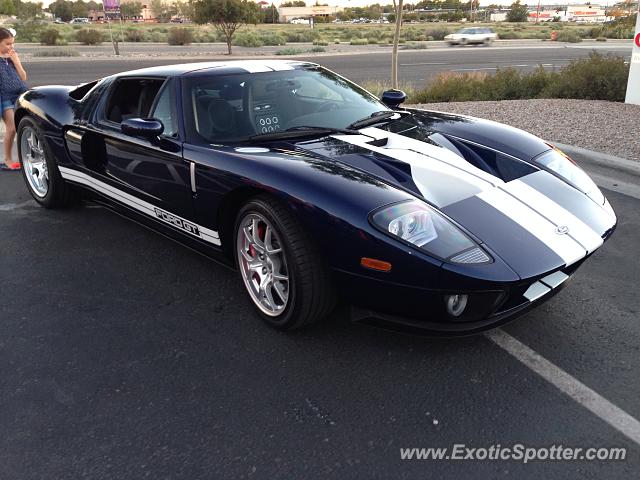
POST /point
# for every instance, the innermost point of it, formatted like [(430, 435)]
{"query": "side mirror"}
[(393, 98), (139, 127)]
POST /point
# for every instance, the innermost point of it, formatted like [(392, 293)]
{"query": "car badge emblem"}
[(562, 230)]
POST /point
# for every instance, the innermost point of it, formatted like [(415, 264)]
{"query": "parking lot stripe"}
[(591, 400)]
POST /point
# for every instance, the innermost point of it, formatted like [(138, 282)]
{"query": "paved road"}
[(125, 356), (416, 66)]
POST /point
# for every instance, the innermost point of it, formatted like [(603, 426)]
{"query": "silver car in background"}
[(473, 35)]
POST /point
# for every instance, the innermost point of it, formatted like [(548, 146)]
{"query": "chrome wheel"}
[(263, 264), (34, 162)]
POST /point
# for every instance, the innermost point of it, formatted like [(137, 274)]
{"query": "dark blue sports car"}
[(317, 191)]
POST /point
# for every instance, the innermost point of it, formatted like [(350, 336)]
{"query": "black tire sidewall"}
[(288, 316), (55, 179)]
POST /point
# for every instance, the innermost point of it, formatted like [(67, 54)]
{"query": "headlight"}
[(417, 223), (561, 163)]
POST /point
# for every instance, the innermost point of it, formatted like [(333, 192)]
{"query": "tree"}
[(518, 12), (62, 10), (296, 3), (79, 9), (270, 14), (227, 15), (130, 9), (7, 7), (27, 10), (162, 10), (396, 40)]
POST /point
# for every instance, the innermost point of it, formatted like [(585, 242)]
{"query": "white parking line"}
[(592, 401)]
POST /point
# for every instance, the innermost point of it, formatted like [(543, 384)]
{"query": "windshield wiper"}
[(301, 132), (375, 117)]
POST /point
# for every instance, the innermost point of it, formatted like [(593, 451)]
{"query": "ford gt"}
[(319, 193)]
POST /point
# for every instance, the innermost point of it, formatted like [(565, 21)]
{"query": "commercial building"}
[(286, 14)]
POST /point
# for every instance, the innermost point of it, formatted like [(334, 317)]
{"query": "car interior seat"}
[(222, 119)]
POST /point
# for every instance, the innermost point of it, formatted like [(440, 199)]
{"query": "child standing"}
[(12, 78)]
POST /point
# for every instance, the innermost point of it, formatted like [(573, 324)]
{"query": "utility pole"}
[(538, 12)]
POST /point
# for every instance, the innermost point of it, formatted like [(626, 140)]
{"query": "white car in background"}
[(471, 35)]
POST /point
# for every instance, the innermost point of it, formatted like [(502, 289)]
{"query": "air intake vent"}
[(475, 255)]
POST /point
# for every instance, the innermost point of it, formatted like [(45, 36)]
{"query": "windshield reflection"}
[(232, 108)]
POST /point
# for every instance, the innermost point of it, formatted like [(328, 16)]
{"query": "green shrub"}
[(298, 36), (29, 31), (508, 35), (601, 39), (89, 36), (134, 35), (290, 51), (157, 37), (569, 36), (56, 52), (273, 39), (359, 41), (180, 36), (597, 77), (414, 46), (321, 43), (50, 36), (317, 50), (247, 39), (437, 33)]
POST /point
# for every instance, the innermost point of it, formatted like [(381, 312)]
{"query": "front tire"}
[(282, 271), (39, 168)]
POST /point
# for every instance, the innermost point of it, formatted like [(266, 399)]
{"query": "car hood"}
[(533, 220)]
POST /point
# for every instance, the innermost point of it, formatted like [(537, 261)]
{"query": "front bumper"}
[(498, 308)]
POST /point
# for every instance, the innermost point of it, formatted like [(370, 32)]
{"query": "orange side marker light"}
[(374, 264)]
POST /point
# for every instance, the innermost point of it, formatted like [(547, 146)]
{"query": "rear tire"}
[(282, 270), (39, 169)]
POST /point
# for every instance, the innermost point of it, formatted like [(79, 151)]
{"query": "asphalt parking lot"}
[(125, 355)]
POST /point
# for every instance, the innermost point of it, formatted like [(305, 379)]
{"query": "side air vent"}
[(475, 255)]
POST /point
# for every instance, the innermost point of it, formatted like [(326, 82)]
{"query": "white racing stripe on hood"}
[(544, 230), (441, 176), (578, 230)]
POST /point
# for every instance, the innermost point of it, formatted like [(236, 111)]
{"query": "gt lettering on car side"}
[(177, 222)]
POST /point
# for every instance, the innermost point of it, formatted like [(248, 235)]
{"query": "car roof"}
[(240, 66)]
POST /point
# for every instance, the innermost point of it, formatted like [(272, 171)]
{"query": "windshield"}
[(233, 108), (465, 30)]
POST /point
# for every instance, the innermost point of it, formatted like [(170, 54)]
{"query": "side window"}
[(132, 98), (165, 112)]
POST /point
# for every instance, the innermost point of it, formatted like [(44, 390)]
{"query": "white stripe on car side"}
[(206, 234), (578, 230), (563, 245)]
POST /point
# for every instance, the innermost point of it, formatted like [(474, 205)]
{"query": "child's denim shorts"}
[(7, 103)]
